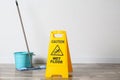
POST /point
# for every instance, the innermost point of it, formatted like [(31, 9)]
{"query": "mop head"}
[(32, 68)]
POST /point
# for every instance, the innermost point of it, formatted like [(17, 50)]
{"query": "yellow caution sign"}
[(58, 62)]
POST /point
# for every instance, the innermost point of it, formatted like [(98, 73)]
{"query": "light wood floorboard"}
[(80, 72)]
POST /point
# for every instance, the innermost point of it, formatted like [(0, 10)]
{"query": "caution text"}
[(57, 41), (56, 60)]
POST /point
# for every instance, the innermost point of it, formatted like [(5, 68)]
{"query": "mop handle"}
[(23, 31)]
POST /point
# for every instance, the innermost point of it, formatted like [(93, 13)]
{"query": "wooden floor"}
[(80, 72)]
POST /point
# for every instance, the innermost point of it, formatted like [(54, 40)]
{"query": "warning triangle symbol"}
[(57, 51)]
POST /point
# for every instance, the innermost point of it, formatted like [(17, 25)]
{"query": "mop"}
[(31, 68)]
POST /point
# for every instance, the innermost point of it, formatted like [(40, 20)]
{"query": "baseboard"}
[(6, 60), (96, 60)]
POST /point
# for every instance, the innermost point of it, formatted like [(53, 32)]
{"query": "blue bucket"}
[(22, 59)]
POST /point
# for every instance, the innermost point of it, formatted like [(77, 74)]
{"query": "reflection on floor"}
[(80, 72)]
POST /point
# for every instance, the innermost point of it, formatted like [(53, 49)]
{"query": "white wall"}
[(93, 28)]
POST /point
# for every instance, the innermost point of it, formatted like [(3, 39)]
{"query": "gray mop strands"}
[(33, 68)]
